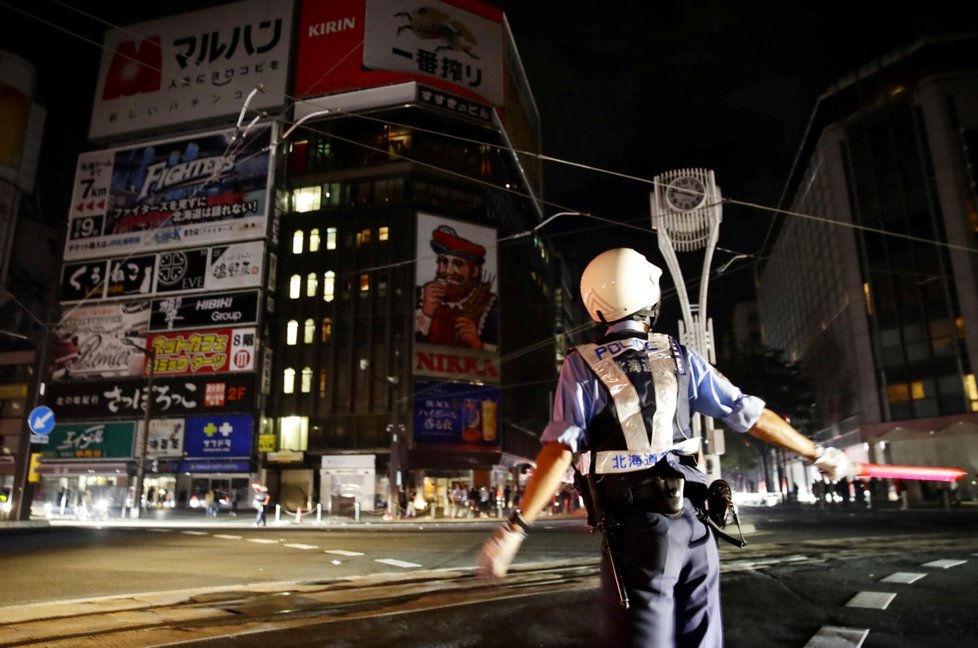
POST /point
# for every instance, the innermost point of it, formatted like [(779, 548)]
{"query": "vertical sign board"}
[(192, 67)]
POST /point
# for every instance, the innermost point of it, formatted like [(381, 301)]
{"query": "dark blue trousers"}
[(671, 569)]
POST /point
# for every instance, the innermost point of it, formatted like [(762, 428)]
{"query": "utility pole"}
[(136, 509), (394, 470), (686, 212)]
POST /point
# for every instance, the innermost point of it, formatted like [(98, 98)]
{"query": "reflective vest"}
[(648, 416)]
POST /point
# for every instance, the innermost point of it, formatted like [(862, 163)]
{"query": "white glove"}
[(497, 553), (834, 464)]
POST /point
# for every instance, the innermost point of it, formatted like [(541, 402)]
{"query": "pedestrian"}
[(209, 503), (627, 402), (261, 500)]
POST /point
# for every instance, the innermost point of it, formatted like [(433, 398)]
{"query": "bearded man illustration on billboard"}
[(458, 307)]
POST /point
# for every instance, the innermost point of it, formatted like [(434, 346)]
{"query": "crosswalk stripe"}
[(944, 564), (262, 541), (393, 562), (343, 552), (196, 533), (299, 545), (903, 577), (226, 537), (871, 600), (837, 637)]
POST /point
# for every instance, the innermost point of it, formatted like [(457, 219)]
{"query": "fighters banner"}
[(171, 396), (206, 188), (202, 311), (202, 352)]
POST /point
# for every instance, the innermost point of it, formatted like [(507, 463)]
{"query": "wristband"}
[(516, 521)]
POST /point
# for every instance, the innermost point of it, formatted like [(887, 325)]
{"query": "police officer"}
[(625, 403)]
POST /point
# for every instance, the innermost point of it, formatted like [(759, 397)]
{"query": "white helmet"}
[(618, 283)]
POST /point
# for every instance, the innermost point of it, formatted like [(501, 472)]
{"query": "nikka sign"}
[(455, 364)]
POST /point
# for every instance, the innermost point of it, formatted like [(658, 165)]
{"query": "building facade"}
[(874, 290), (331, 287)]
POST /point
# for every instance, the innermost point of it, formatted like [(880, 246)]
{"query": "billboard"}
[(101, 341), (354, 44), (192, 67), (126, 397), (456, 414), (220, 436), (202, 352), (456, 326), (217, 268), (206, 188), (93, 440), (202, 311)]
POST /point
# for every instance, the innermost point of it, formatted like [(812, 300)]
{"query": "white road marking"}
[(393, 562), (198, 533), (871, 600), (837, 637), (944, 564), (903, 577), (299, 545), (262, 541), (171, 531), (226, 537), (343, 552), (336, 562)]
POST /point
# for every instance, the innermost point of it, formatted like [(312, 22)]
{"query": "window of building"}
[(322, 383), (314, 240), (326, 330), (333, 194), (295, 286), (306, 383), (329, 286), (297, 242), (312, 284), (292, 332), (383, 232), (309, 331), (288, 381), (306, 199), (330, 238), (363, 237), (364, 284), (294, 433), (971, 392)]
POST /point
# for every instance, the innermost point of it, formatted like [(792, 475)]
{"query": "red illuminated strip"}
[(926, 473)]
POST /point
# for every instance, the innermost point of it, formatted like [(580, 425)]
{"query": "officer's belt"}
[(657, 494)]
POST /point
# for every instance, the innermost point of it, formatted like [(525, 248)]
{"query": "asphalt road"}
[(412, 585)]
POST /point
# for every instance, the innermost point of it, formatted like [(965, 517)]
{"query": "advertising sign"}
[(456, 327), (456, 414), (91, 441), (346, 45), (126, 397), (192, 66), (165, 438), (203, 352), (101, 341), (202, 311), (221, 267), (218, 437), (206, 188)]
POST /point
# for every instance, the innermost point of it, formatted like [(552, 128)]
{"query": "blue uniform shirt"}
[(580, 396)]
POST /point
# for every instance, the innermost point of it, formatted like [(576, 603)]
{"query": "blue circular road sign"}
[(41, 420)]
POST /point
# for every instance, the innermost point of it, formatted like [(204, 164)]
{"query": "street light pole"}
[(135, 510)]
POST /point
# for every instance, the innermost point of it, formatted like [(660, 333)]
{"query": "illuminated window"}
[(306, 199), (297, 242), (330, 238), (917, 390), (971, 391), (898, 393), (329, 286), (869, 299), (322, 382), (288, 381), (363, 237), (314, 240), (294, 432), (292, 332), (309, 331), (326, 331), (959, 325), (295, 286), (306, 384), (364, 283), (312, 284), (382, 233)]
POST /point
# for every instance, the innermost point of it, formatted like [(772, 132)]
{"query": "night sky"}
[(634, 88)]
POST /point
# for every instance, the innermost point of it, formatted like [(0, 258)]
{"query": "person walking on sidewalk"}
[(627, 401), (261, 500)]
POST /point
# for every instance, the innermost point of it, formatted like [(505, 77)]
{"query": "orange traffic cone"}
[(298, 516)]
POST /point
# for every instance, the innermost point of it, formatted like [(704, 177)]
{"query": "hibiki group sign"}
[(202, 352), (207, 188)]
